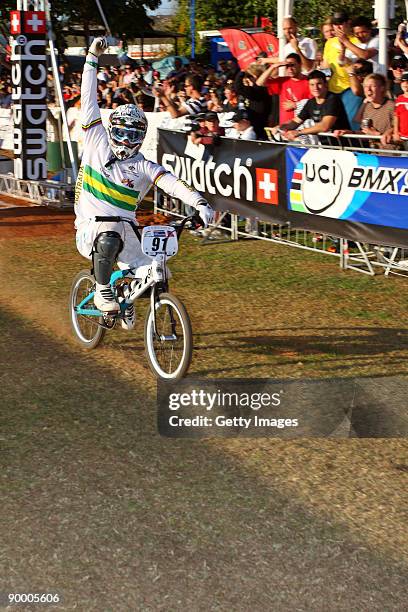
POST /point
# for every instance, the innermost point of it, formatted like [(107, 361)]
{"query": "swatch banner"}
[(243, 177), (267, 42), (359, 196), (242, 46)]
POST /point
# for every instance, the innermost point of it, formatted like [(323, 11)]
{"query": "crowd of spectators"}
[(333, 86)]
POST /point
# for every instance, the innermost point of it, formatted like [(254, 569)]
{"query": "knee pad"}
[(106, 248)]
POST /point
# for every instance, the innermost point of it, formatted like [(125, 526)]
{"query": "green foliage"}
[(314, 12), (127, 18), (212, 14)]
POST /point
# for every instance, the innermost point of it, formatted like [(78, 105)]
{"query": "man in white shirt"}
[(368, 45), (242, 128), (303, 46)]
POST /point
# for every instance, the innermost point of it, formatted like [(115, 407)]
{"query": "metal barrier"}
[(49, 193), (356, 256)]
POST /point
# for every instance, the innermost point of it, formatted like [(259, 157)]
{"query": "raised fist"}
[(98, 46)]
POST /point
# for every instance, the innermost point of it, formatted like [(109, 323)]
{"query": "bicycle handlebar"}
[(195, 222)]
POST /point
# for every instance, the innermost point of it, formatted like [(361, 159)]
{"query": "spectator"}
[(256, 98), (243, 130), (367, 47), (377, 109), (232, 69), (103, 75), (357, 73), (210, 132), (5, 95), (399, 64), (242, 127), (214, 103), (401, 111), (303, 46), (327, 29), (179, 71), (400, 39), (333, 48), (231, 101), (293, 88), (195, 103), (128, 76), (325, 109)]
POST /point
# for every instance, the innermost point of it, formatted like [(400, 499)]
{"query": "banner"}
[(242, 46), (29, 93), (360, 196), (357, 196), (267, 42), (241, 176)]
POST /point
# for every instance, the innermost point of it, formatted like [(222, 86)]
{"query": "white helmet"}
[(127, 128)]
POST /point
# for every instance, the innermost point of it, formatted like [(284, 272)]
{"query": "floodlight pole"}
[(105, 23), (382, 14), (59, 90)]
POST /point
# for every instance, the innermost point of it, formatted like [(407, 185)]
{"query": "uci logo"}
[(325, 178)]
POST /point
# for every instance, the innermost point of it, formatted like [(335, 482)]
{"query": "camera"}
[(194, 127)]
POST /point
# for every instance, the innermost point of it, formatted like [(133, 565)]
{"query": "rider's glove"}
[(206, 213), (98, 46)]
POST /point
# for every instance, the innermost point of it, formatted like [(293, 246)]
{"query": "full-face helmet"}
[(126, 130)]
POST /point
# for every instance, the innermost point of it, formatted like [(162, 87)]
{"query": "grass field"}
[(99, 507)]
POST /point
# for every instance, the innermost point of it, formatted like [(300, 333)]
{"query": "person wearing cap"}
[(210, 132), (399, 65), (401, 111), (242, 127)]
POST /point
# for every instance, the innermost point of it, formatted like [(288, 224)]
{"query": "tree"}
[(127, 18), (213, 14)]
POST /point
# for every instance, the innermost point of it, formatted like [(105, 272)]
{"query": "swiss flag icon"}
[(34, 22), (267, 186), (15, 22)]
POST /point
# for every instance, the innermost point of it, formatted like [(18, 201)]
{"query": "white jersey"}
[(107, 186)]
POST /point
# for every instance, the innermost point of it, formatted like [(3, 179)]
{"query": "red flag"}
[(266, 22), (267, 42), (242, 46)]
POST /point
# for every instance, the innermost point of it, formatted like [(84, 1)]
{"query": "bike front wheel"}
[(87, 330), (170, 348)]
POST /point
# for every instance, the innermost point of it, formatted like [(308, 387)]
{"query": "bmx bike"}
[(167, 330)]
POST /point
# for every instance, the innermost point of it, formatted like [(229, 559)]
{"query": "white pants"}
[(131, 255)]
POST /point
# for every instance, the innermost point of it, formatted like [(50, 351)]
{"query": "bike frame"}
[(152, 275)]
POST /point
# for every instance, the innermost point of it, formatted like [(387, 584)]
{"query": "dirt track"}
[(98, 507)]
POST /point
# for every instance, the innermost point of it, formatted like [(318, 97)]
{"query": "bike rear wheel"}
[(169, 351), (86, 329)]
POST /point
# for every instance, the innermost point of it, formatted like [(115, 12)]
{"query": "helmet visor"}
[(131, 135)]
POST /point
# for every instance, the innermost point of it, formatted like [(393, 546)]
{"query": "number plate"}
[(159, 240)]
